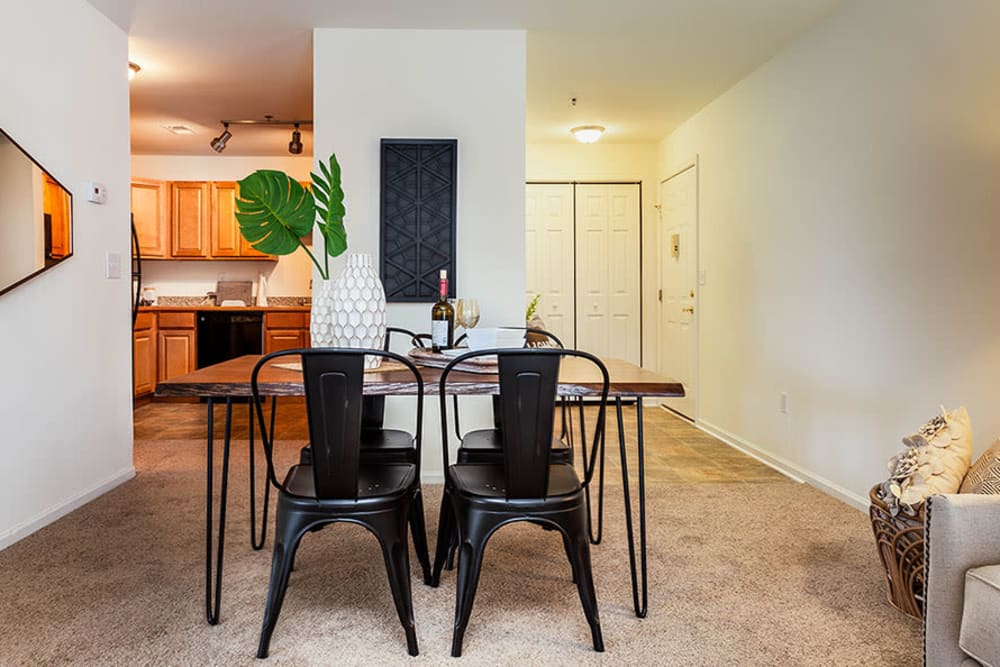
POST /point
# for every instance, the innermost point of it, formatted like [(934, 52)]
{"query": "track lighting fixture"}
[(294, 146), (219, 143)]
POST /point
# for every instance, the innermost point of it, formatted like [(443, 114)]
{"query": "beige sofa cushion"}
[(980, 634), (984, 476)]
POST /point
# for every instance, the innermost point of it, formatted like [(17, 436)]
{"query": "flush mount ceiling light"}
[(218, 144), (294, 146), (178, 129), (587, 134), (133, 69)]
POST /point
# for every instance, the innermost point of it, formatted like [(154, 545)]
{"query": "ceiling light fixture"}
[(587, 134), (178, 129), (294, 146), (218, 144), (133, 69)]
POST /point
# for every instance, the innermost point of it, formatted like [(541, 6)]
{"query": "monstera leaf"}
[(274, 211), (330, 206)]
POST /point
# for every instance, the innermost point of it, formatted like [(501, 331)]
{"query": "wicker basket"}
[(900, 542)]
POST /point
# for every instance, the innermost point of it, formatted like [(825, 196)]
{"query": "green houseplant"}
[(274, 212)]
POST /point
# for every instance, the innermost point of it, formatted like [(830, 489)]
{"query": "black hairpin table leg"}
[(213, 598), (256, 544), (640, 609)]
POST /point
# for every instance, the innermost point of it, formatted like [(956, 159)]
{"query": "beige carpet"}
[(759, 572)]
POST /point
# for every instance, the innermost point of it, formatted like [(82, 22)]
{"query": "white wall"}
[(848, 210), (289, 276), (614, 162), (466, 85), (66, 401)]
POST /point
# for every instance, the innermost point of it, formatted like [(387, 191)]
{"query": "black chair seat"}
[(486, 446), (487, 481), (373, 481)]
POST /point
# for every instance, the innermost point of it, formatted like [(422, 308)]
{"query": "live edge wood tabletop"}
[(577, 377)]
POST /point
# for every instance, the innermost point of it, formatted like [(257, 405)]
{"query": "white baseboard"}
[(784, 466), (22, 530)]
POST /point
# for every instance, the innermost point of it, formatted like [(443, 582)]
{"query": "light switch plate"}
[(113, 265), (96, 192)]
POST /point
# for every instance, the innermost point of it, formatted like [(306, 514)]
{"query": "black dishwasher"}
[(227, 335)]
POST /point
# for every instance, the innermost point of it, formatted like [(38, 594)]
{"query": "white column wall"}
[(463, 84), (65, 339), (848, 230)]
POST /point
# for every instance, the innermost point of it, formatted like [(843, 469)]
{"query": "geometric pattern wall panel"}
[(418, 206)]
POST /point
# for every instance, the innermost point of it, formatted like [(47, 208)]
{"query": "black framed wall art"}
[(418, 199)]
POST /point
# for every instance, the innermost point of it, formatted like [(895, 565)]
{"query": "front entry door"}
[(679, 284)]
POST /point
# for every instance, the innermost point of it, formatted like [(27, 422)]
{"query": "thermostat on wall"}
[(96, 193)]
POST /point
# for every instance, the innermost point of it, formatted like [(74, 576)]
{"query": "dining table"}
[(229, 382)]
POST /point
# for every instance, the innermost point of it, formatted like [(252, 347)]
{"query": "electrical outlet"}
[(783, 402)]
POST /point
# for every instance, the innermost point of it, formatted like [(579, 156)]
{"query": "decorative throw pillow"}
[(984, 476), (935, 460)]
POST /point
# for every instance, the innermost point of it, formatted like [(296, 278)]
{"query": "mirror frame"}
[(72, 240)]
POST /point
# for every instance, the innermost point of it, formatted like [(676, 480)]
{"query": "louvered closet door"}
[(607, 270), (549, 256)]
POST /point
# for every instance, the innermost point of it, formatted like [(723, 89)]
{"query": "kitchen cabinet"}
[(176, 344), (285, 331), (144, 355), (190, 215), (226, 235), (56, 204), (149, 212)]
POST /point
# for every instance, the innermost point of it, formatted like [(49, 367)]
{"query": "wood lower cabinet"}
[(144, 360), (285, 331), (176, 345)]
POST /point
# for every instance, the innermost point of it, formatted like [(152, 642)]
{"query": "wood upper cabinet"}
[(226, 237), (56, 204), (149, 211), (190, 213), (144, 355), (175, 342)]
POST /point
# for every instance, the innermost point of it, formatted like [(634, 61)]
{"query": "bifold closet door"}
[(607, 270), (549, 256)]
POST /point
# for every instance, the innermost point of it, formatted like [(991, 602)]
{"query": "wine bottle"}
[(442, 318)]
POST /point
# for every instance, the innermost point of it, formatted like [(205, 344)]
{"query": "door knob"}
[(688, 309)]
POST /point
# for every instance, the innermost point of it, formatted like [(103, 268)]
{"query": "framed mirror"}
[(36, 217)]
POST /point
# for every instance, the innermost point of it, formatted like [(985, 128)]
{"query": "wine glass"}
[(467, 313)]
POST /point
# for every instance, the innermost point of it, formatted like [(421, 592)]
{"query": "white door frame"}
[(685, 166)]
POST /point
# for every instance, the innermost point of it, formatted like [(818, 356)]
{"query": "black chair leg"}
[(395, 550), (286, 541), (470, 562), (584, 577), (446, 530), (568, 546), (419, 532)]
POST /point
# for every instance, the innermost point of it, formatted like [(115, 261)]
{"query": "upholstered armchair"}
[(962, 603)]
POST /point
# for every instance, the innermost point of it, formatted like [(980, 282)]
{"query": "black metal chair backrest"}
[(528, 383), (333, 380), (415, 339)]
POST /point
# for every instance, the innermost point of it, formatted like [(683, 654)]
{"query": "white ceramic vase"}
[(350, 311)]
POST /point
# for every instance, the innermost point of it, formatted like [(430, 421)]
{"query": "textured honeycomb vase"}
[(350, 311)]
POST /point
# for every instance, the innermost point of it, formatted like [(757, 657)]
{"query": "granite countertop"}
[(188, 309), (198, 303)]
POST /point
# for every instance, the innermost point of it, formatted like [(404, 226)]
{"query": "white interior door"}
[(678, 282), (607, 270), (549, 256)]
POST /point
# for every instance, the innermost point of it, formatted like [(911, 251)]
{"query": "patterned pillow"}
[(935, 460), (984, 476)]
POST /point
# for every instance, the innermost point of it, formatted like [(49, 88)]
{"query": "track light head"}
[(295, 145), (218, 144)]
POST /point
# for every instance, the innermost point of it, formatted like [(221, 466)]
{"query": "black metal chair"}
[(484, 445), (526, 485), (338, 485)]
